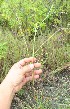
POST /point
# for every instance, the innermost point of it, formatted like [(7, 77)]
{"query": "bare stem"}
[(34, 52)]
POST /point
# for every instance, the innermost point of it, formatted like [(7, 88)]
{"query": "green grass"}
[(52, 49)]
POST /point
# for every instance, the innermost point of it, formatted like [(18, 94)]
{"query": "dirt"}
[(52, 92)]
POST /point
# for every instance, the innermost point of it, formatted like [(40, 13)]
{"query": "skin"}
[(19, 74)]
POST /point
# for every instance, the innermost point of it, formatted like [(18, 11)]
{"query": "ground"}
[(51, 92)]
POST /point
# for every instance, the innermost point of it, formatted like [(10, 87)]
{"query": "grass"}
[(52, 50)]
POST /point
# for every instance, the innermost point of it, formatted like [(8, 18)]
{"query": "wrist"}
[(7, 87), (6, 93)]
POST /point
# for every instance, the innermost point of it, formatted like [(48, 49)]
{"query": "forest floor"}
[(51, 92)]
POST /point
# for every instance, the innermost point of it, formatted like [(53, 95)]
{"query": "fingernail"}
[(31, 66)]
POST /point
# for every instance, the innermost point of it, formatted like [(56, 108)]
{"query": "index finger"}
[(27, 60)]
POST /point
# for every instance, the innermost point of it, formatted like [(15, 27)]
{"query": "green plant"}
[(23, 15), (3, 49)]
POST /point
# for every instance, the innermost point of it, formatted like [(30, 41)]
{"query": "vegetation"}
[(39, 28)]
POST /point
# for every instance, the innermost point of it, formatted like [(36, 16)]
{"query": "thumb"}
[(27, 68)]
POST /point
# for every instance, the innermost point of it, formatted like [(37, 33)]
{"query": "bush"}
[(22, 16)]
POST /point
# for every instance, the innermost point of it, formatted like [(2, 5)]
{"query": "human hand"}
[(21, 72)]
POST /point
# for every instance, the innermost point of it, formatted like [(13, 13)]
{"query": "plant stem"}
[(34, 52)]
